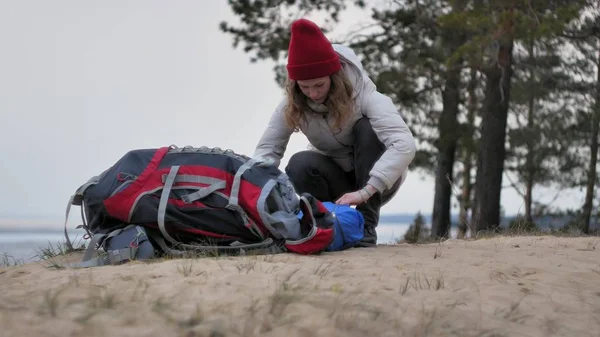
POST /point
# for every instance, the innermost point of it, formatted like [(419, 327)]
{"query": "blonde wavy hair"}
[(339, 102)]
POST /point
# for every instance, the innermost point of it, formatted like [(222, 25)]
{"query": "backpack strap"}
[(162, 208), (235, 187), (67, 240), (77, 199), (215, 184), (164, 198), (203, 192), (233, 203), (192, 178), (268, 246), (110, 257)]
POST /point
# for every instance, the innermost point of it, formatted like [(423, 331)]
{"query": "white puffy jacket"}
[(387, 123)]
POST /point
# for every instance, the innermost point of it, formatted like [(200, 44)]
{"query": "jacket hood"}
[(354, 70)]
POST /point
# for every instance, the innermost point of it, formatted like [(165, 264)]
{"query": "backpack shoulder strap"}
[(77, 199), (111, 256)]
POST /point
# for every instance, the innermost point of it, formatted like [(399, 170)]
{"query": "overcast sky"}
[(83, 82)]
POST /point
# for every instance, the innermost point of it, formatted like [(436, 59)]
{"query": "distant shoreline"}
[(53, 223), (37, 229)]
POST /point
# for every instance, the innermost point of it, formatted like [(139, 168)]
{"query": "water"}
[(25, 245)]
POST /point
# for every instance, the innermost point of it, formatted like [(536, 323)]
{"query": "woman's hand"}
[(357, 197)]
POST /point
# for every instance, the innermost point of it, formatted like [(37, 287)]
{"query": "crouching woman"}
[(360, 147)]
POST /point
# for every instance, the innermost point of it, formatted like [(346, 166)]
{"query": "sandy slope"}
[(518, 286)]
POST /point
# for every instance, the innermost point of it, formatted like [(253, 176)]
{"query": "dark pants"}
[(317, 174)]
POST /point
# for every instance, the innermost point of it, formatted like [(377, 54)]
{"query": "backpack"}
[(181, 199), (349, 226)]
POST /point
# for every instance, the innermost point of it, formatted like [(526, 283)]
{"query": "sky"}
[(83, 82)]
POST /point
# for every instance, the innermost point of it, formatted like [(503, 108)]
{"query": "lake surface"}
[(26, 245)]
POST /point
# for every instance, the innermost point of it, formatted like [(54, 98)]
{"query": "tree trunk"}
[(448, 125), (465, 197), (591, 174), (490, 163), (529, 164), (529, 198), (440, 226), (465, 200)]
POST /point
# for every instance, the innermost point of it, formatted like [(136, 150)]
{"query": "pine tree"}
[(537, 137), (584, 35), (496, 27), (417, 230)]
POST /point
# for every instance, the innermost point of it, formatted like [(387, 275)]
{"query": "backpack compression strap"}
[(77, 199), (115, 256), (203, 192), (267, 246)]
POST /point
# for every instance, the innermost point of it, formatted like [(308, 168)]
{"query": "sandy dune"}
[(505, 286)]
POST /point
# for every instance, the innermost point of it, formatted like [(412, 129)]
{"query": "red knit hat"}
[(310, 54)]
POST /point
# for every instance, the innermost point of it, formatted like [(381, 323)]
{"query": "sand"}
[(502, 286)]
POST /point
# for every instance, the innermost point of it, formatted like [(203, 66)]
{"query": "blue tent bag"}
[(349, 226)]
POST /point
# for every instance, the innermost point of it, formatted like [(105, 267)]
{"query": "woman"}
[(360, 145)]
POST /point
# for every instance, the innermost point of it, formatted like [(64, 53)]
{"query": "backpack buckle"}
[(135, 243)]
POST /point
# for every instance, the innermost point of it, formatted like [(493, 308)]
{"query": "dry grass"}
[(7, 260), (422, 282)]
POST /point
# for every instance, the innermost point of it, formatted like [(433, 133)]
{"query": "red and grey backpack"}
[(191, 198)]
